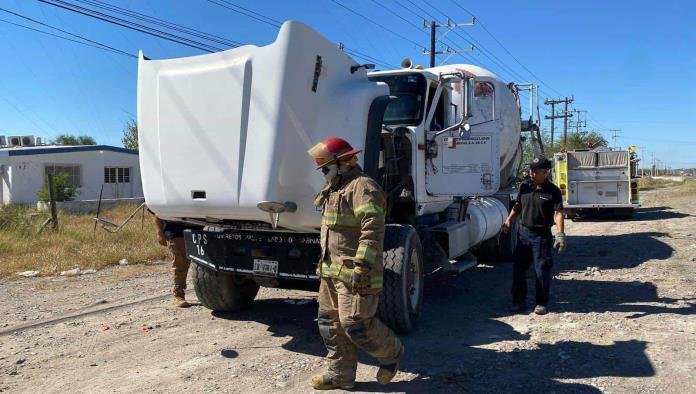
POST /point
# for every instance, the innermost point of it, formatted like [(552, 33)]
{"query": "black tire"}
[(570, 214), (623, 213), (221, 291), (402, 296)]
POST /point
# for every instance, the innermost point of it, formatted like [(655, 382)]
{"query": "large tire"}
[(221, 291), (402, 296)]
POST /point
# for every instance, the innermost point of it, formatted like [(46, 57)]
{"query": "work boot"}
[(180, 302), (329, 382), (541, 310), (387, 372)]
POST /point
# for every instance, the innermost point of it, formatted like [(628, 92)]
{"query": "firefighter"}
[(540, 205), (171, 235), (350, 268)]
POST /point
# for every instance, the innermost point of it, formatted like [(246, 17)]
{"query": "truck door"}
[(458, 162)]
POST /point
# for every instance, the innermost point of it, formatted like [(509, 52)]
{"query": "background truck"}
[(597, 180), (223, 141)]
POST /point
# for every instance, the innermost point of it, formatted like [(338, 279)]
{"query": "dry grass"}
[(74, 244), (651, 183)]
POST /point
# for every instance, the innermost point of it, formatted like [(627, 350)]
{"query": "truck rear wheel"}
[(221, 291), (402, 296)]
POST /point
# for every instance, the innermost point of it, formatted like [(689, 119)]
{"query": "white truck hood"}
[(220, 133)]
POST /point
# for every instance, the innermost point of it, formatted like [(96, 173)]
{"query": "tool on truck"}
[(597, 180), (223, 141)]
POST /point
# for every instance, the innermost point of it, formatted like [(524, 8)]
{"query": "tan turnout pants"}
[(346, 322), (180, 265)]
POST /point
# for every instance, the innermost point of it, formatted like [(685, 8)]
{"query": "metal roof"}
[(50, 149)]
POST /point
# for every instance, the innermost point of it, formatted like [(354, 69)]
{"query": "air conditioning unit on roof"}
[(14, 140), (28, 140), (3, 140)]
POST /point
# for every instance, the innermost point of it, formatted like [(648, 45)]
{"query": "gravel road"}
[(623, 320)]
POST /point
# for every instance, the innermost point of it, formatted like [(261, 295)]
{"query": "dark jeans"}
[(532, 247)]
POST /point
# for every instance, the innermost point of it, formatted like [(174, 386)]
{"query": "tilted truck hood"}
[(220, 133)]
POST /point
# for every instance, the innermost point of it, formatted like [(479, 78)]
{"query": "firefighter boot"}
[(387, 372), (329, 382)]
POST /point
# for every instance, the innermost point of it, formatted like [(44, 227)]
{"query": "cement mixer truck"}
[(223, 140)]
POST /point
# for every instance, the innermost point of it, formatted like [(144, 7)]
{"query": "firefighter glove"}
[(360, 280), (560, 243)]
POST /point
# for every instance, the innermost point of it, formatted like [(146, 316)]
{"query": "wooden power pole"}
[(565, 116)]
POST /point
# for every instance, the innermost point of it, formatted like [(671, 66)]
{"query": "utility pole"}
[(433, 25), (615, 136), (433, 40), (579, 123), (642, 159), (565, 121), (565, 116), (652, 169)]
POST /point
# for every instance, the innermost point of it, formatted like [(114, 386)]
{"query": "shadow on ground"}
[(640, 215), (447, 350), (614, 251)]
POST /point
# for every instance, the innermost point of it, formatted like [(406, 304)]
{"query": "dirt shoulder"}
[(623, 320)]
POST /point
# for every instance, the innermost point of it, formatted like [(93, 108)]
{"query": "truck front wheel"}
[(221, 291), (402, 296)]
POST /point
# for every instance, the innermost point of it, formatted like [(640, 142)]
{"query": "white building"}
[(23, 170)]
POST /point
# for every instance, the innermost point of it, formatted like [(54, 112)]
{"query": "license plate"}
[(266, 267)]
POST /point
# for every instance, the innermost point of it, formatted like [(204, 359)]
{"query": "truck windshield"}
[(407, 110)]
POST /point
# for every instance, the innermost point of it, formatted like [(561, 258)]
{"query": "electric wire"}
[(104, 48), (378, 24), (67, 32), (131, 25), (506, 50), (160, 22), (251, 14)]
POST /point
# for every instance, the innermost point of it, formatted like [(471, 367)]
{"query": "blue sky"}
[(631, 64)]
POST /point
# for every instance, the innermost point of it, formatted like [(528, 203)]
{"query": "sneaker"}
[(517, 307), (541, 310), (180, 302), (329, 382), (387, 372)]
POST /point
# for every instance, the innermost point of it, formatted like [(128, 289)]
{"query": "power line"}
[(277, 23), (112, 49), (251, 14), (131, 25), (160, 22), (507, 51), (69, 39), (486, 52), (378, 24)]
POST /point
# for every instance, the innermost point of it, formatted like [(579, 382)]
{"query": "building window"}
[(116, 174), (74, 172)]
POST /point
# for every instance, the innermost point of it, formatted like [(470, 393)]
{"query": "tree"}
[(575, 141), (582, 140), (130, 135), (62, 188), (69, 139)]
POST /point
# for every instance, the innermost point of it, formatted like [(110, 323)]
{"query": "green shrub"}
[(62, 188)]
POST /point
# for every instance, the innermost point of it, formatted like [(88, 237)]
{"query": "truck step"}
[(462, 263)]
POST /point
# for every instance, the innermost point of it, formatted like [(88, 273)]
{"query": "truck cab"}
[(223, 141)]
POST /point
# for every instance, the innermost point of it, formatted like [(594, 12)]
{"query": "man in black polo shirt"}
[(539, 205)]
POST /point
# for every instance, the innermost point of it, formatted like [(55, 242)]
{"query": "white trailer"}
[(597, 180), (223, 140)]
